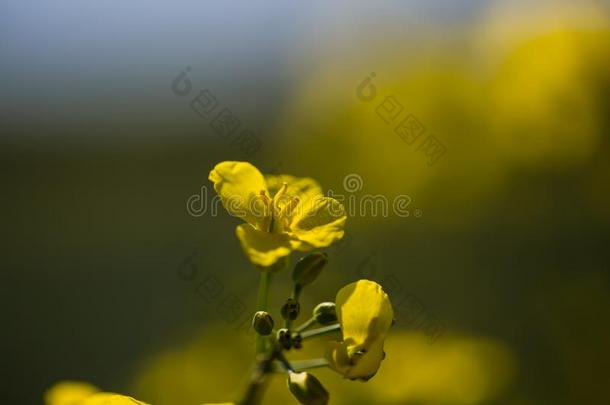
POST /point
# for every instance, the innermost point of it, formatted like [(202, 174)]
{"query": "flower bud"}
[(262, 323), (308, 268), (296, 340), (325, 313), (290, 310), (283, 338), (307, 389)]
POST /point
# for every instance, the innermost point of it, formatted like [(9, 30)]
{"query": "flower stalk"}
[(310, 322), (263, 293), (321, 331), (309, 364)]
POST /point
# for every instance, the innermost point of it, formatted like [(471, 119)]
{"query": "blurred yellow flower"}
[(207, 367), (105, 398), (457, 370), (80, 393), (282, 213), (68, 393), (365, 314)]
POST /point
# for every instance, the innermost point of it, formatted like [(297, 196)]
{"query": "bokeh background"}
[(107, 278)]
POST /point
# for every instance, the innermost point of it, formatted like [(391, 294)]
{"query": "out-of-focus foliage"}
[(101, 158), (453, 370), (521, 89), (211, 367), (456, 370), (522, 93)]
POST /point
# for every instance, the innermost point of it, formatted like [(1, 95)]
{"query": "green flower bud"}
[(290, 310), (262, 323), (283, 338), (308, 268), (325, 313), (307, 389)]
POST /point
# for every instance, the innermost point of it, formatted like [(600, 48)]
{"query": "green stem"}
[(280, 356), (258, 381), (306, 325), (321, 331), (263, 292), (296, 295), (309, 363)]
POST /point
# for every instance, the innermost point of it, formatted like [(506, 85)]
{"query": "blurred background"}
[(492, 116)]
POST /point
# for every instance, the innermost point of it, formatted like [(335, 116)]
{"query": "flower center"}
[(278, 211)]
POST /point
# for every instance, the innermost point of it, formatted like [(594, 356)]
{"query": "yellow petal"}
[(364, 312), (305, 188), (106, 398), (263, 248), (239, 184), (319, 222), (69, 393), (362, 366), (79, 393)]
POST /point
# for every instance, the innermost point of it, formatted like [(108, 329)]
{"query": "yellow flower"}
[(107, 398), (365, 315), (69, 393), (282, 213), (79, 393)]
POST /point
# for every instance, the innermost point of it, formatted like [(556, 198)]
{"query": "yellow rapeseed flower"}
[(69, 393), (282, 213), (365, 315), (107, 398), (80, 393)]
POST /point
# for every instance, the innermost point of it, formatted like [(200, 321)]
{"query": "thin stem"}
[(258, 382), (263, 292), (309, 363), (280, 356), (321, 331), (296, 294), (296, 291), (306, 325)]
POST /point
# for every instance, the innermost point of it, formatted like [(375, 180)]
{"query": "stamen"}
[(275, 208), (289, 208), (280, 209), (267, 220), (280, 193), (266, 199)]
